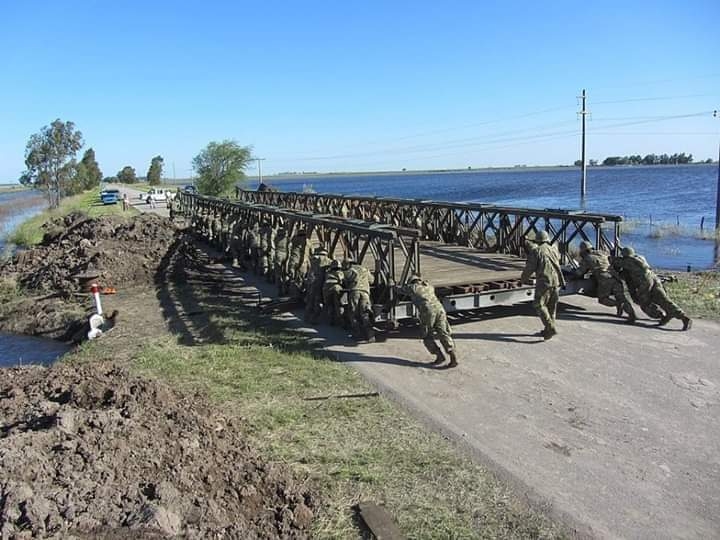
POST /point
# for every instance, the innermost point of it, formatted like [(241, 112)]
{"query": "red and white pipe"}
[(95, 290)]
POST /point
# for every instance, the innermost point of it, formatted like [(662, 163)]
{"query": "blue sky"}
[(339, 86)]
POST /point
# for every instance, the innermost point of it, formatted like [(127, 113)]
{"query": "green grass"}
[(353, 444), (30, 232), (698, 293)]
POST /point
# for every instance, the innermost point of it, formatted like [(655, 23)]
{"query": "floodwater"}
[(25, 350), (16, 207), (663, 205)]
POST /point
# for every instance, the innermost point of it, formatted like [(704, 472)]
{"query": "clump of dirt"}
[(119, 251), (96, 452)]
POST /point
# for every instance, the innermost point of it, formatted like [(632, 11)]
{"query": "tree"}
[(127, 175), (50, 159), (220, 165), (154, 173), (92, 174)]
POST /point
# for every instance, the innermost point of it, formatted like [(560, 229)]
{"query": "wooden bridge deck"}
[(447, 265)]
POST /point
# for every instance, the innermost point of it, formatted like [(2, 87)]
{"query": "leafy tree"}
[(50, 159), (92, 175), (154, 173), (127, 175), (220, 165)]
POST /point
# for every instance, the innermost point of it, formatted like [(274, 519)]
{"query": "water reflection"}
[(24, 350)]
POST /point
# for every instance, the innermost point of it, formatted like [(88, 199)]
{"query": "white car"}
[(158, 195)]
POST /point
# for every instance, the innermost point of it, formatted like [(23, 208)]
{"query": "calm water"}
[(22, 350), (653, 199)]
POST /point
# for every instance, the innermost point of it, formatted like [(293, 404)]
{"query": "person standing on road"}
[(608, 282), (433, 319), (648, 288), (543, 261)]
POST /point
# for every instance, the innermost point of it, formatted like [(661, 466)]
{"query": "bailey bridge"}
[(472, 253)]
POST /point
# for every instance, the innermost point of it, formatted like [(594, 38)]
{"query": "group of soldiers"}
[(341, 290), (619, 281)]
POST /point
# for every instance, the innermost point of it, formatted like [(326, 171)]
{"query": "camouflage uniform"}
[(215, 227), (648, 288), (356, 279), (607, 280), (265, 238), (319, 262), (298, 258), (236, 244), (280, 257), (332, 292), (543, 260), (253, 246), (433, 319)]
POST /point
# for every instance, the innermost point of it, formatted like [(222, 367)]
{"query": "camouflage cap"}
[(585, 246), (321, 251), (335, 265), (542, 236), (414, 278)]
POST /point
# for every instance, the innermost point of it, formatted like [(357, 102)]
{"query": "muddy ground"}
[(119, 252), (94, 451)]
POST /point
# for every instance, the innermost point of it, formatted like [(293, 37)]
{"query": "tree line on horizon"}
[(649, 159), (51, 165)]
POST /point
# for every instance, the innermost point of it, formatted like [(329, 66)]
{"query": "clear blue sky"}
[(333, 86)]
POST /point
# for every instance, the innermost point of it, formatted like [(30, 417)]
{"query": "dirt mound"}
[(95, 452), (119, 251)]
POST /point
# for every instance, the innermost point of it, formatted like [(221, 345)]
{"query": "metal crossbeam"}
[(492, 228)]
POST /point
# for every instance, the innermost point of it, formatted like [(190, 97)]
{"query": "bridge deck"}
[(451, 265)]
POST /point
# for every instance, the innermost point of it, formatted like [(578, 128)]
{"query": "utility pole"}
[(583, 166), (259, 161), (717, 199)]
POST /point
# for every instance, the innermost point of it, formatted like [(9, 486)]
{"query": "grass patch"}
[(30, 232), (325, 421), (698, 293)]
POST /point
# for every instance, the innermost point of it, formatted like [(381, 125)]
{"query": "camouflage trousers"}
[(545, 304), (313, 301), (332, 301), (658, 296), (360, 310), (612, 292), (433, 322)]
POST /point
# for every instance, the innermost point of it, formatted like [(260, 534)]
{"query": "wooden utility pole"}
[(259, 162), (717, 195), (583, 166)]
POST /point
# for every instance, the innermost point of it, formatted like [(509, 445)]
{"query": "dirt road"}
[(139, 202), (613, 428)]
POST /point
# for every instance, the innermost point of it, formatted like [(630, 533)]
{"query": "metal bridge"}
[(472, 253)]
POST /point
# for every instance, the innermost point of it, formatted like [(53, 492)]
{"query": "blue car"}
[(110, 196)]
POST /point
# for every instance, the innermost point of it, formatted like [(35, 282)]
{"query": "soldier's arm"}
[(530, 266)]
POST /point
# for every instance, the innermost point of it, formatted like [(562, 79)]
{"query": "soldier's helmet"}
[(628, 252), (541, 237), (585, 246), (321, 251), (414, 278), (335, 265)]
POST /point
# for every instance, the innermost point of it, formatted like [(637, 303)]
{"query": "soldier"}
[(236, 244), (607, 280), (648, 288), (332, 292), (253, 246), (280, 256), (543, 260), (319, 262), (433, 319), (298, 257), (356, 280), (265, 238)]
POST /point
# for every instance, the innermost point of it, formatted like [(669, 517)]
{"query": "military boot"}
[(549, 333), (665, 319), (453, 359), (687, 322), (439, 358)]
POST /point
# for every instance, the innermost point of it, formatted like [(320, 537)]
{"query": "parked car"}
[(159, 195), (110, 196), (190, 189)]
